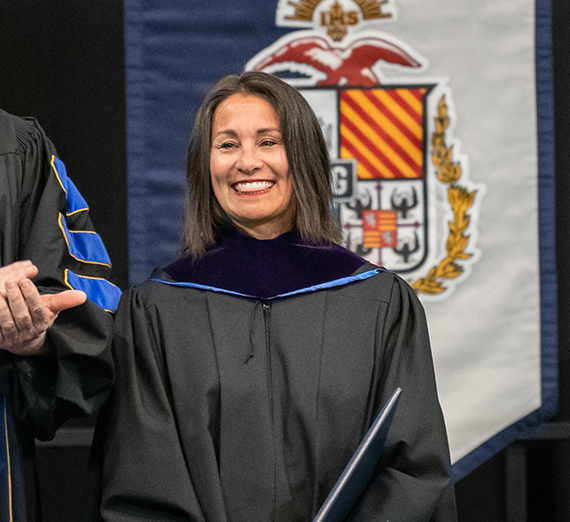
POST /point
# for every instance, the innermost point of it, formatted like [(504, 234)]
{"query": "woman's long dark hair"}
[(307, 155)]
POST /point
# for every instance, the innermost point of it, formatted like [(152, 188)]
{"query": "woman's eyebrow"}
[(233, 133), (229, 132)]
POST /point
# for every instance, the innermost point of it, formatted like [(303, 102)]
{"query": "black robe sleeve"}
[(414, 482), (138, 469), (44, 218)]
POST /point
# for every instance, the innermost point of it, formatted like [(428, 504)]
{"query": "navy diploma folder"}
[(358, 472)]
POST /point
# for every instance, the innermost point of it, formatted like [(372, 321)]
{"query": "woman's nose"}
[(249, 161)]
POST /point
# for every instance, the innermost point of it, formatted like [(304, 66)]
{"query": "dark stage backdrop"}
[(62, 61)]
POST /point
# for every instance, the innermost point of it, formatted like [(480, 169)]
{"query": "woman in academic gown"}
[(249, 370)]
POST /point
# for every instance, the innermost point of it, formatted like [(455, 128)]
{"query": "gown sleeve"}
[(46, 220), (414, 482), (137, 467)]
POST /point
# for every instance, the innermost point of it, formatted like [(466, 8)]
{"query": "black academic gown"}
[(44, 218), (242, 393)]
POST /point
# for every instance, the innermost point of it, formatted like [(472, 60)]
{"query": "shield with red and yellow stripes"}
[(377, 139)]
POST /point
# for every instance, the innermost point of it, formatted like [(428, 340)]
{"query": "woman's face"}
[(249, 168)]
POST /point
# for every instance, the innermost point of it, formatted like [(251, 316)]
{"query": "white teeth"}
[(253, 186)]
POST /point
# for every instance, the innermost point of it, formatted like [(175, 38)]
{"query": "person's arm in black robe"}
[(414, 482), (43, 215)]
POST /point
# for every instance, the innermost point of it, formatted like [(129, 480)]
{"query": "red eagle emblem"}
[(342, 66)]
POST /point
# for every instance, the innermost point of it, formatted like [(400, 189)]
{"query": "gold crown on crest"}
[(336, 20)]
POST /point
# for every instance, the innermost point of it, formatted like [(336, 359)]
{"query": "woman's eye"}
[(227, 145), (268, 143)]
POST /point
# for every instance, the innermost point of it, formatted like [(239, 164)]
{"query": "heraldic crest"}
[(384, 164)]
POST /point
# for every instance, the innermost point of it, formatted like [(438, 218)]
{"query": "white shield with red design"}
[(377, 139)]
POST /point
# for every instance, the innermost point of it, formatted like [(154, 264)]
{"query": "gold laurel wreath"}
[(448, 172)]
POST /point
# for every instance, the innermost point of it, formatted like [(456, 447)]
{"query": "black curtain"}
[(62, 61)]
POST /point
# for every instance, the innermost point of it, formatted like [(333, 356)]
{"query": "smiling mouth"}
[(252, 187)]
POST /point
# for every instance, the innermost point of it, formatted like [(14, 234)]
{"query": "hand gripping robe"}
[(246, 380), (44, 218)]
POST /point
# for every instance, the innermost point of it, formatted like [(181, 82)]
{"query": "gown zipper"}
[(266, 307)]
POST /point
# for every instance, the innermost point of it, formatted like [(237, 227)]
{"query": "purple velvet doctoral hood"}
[(265, 269)]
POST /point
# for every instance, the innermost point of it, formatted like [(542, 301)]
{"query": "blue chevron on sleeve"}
[(84, 245), (103, 293), (75, 201)]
